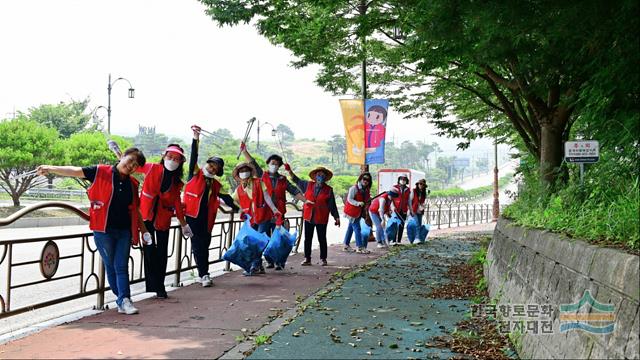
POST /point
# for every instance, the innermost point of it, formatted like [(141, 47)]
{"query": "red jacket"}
[(375, 205), (280, 192), (374, 135), (255, 206), (356, 211), (100, 194), (320, 209), (417, 201), (167, 202), (402, 201), (193, 192)]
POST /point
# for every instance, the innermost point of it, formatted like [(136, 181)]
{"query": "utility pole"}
[(362, 9), (496, 191)]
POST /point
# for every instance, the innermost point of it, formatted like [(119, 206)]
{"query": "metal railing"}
[(75, 270), (454, 215)]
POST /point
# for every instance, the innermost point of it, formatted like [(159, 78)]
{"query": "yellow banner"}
[(353, 117)]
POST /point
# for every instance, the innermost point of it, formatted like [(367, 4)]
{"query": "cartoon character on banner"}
[(376, 125)]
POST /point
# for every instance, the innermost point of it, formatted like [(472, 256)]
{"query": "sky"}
[(184, 68)]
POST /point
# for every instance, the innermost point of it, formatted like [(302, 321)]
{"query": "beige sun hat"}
[(236, 170), (312, 173)]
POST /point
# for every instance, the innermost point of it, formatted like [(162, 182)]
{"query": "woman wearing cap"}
[(254, 200), (417, 200), (401, 205), (320, 203), (114, 217), (159, 200), (379, 210), (355, 208), (277, 187), (201, 203)]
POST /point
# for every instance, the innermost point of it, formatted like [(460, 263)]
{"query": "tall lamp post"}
[(131, 95), (273, 133), (496, 192)]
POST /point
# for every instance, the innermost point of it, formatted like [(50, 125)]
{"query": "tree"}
[(24, 145), (525, 71), (67, 118), (286, 134)]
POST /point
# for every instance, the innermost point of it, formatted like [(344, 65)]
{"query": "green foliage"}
[(262, 339), (456, 192), (605, 208), (90, 148), (67, 118)]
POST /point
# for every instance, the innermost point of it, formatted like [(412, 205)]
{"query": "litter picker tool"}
[(25, 174), (246, 134), (210, 134)]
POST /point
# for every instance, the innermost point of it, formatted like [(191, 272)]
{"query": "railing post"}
[(101, 277), (439, 213), (178, 252), (458, 214), (474, 213), (467, 212), (449, 215), (227, 265)]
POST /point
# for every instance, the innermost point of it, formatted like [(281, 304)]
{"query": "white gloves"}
[(359, 203), (186, 231), (146, 239)]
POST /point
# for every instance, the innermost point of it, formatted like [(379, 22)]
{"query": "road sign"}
[(582, 151), (461, 162)]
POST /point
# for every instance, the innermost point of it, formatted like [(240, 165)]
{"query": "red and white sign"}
[(582, 151)]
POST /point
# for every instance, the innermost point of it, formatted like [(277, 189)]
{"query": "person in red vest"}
[(417, 200), (277, 187), (356, 208), (401, 206), (201, 200), (320, 203), (379, 210), (159, 201), (114, 217), (254, 200)]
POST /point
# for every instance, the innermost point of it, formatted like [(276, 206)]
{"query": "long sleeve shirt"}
[(248, 188), (291, 189), (351, 198), (303, 184)]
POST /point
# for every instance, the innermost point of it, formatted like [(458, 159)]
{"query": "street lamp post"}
[(273, 133), (131, 95), (496, 192)]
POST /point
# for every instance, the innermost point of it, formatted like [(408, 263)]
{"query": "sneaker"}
[(206, 281), (247, 273), (162, 295), (306, 263), (270, 266), (347, 248), (278, 267), (324, 262), (380, 246), (261, 270), (362, 251), (127, 307)]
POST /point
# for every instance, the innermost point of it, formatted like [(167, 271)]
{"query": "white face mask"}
[(207, 174), (171, 164), (273, 168), (402, 182), (244, 175)]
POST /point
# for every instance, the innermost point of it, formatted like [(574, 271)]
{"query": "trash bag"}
[(247, 247), (280, 246), (423, 231), (365, 231), (412, 229), (392, 226)]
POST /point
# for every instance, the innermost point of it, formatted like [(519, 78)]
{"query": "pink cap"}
[(174, 149)]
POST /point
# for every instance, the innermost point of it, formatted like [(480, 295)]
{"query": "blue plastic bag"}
[(412, 229), (365, 231), (423, 232), (392, 227), (247, 247), (280, 246)]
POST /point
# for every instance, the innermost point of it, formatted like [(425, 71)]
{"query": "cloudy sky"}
[(185, 69)]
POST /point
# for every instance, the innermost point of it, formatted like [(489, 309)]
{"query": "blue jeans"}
[(377, 221), (418, 218), (354, 226), (114, 247), (265, 228)]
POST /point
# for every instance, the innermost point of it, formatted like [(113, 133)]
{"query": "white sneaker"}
[(347, 248), (206, 281), (380, 246), (127, 307)]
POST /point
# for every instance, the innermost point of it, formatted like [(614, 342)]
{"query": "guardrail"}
[(454, 215), (74, 260)]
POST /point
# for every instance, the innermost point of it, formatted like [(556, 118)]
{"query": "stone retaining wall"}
[(528, 266)]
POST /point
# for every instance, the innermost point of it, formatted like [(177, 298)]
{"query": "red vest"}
[(192, 198), (356, 211), (320, 209), (255, 206), (168, 202), (280, 191), (416, 201), (100, 194), (402, 201), (375, 205)]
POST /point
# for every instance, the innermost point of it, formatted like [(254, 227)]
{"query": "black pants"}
[(200, 242), (403, 216), (155, 259), (321, 230)]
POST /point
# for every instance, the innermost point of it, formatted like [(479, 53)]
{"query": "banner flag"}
[(375, 129), (365, 124), (353, 117)]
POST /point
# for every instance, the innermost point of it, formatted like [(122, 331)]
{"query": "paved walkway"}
[(201, 322)]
